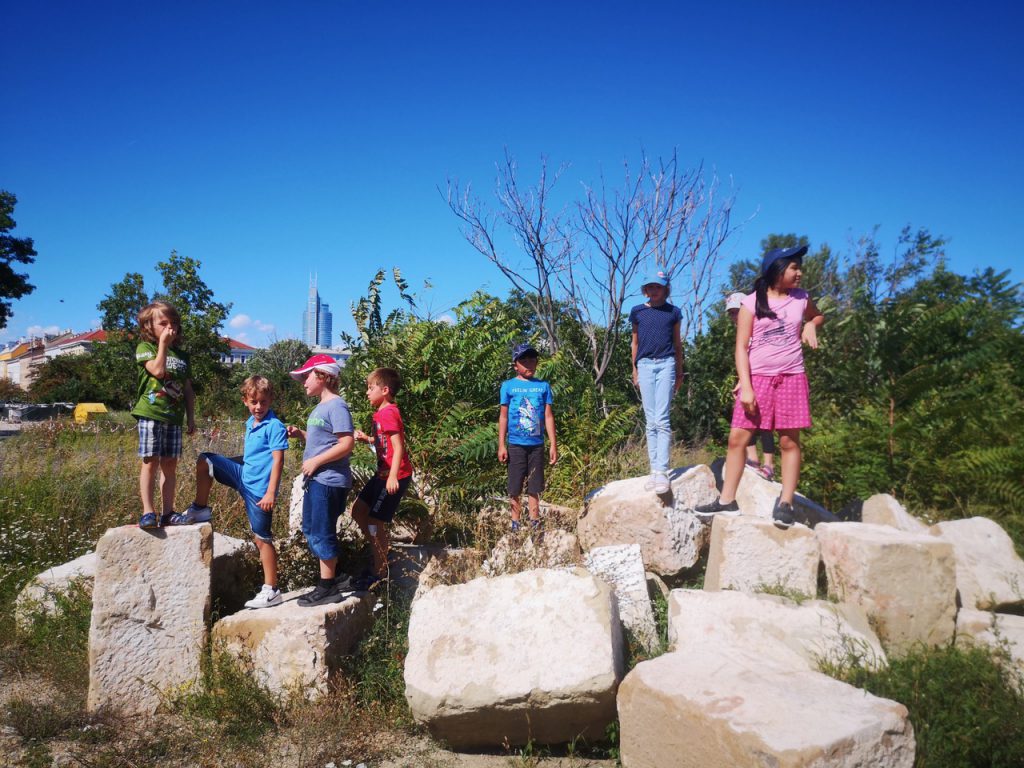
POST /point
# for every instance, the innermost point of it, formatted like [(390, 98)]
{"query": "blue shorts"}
[(158, 439), (228, 471), (322, 505)]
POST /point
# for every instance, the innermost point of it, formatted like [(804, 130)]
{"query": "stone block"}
[(235, 573), (150, 613), (905, 582), (750, 553), (500, 661), (291, 648), (989, 572), (40, 594), (670, 536), (1001, 631), (883, 509), (622, 567), (725, 708), (525, 550)]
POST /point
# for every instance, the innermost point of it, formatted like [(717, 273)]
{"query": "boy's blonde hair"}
[(146, 314), (257, 385), (330, 382), (386, 377)]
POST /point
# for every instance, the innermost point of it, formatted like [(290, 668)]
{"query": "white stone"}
[(777, 630), (989, 573), (670, 536), (750, 554), (905, 582), (623, 568), (525, 551), (39, 596), (1001, 631), (347, 528), (725, 708), (534, 655), (883, 509), (150, 610), (290, 647), (235, 573)]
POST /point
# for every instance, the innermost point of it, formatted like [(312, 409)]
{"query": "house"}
[(74, 344), (239, 353)]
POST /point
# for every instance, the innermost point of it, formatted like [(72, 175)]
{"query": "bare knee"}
[(739, 438)]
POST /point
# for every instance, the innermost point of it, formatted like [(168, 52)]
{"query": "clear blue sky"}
[(270, 140)]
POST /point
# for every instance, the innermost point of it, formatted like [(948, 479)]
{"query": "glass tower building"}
[(316, 319)]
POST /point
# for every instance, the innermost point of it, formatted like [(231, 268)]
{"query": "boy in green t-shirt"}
[(165, 401)]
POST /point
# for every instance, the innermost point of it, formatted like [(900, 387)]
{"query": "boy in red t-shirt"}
[(378, 501)]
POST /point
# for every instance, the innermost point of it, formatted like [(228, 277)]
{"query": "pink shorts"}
[(783, 402)]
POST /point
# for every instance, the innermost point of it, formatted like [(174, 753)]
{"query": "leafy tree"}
[(114, 369), (11, 392), (13, 250), (275, 362), (66, 379)]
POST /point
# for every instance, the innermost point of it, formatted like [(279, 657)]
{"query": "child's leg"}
[(204, 481), (146, 477), (268, 559), (533, 502), (739, 439), (380, 540), (361, 515), (768, 448), (789, 442), (517, 510), (664, 389), (168, 481)]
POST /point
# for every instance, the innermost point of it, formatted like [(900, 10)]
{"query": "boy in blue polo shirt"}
[(525, 405), (255, 475)]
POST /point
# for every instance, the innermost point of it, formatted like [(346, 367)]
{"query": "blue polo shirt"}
[(261, 440)]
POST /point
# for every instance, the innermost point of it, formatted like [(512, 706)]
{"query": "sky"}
[(272, 141)]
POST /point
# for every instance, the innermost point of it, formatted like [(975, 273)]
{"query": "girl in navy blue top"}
[(657, 370)]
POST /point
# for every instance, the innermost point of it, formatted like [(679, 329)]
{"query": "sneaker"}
[(148, 521), (265, 598), (343, 582), (194, 514), (783, 514), (320, 596), (661, 484), (515, 526), (167, 518), (716, 507), (651, 482), (368, 581)]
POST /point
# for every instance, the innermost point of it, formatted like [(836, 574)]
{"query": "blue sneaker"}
[(194, 514), (148, 521)]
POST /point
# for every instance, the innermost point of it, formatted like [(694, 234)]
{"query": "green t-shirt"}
[(161, 400)]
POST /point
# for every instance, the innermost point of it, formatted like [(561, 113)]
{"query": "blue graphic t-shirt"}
[(322, 428), (526, 400)]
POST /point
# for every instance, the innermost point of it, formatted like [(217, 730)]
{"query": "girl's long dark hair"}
[(770, 278)]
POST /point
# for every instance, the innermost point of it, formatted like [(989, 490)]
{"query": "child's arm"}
[(157, 367), (190, 407), (812, 319), (361, 437), (633, 344), (549, 425), (276, 467), (502, 433), (295, 432), (339, 451), (397, 454), (744, 328), (677, 346)]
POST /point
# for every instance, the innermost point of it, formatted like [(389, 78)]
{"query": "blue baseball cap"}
[(781, 253), (656, 278), (523, 350)]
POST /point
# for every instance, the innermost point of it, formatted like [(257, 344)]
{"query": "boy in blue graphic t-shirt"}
[(525, 401)]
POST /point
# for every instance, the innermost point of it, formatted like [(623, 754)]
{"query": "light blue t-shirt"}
[(526, 400), (322, 428), (261, 440)]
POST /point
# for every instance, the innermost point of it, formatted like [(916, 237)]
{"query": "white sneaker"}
[(265, 598), (661, 484), (651, 482), (196, 514)]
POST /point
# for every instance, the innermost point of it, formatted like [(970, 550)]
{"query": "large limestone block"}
[(989, 573), (751, 553), (670, 536), (905, 582), (623, 568), (290, 647), (883, 509), (779, 631), (347, 528), (150, 609), (525, 550), (1002, 631), (40, 595), (757, 496), (235, 573), (534, 655), (715, 708)]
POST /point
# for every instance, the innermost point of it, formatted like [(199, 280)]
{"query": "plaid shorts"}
[(159, 439)]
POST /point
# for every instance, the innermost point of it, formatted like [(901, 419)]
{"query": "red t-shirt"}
[(386, 422)]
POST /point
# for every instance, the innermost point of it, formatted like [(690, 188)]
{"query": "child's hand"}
[(191, 428), (553, 455), (266, 503), (167, 335), (748, 401), (809, 335), (636, 378), (502, 454), (391, 485), (361, 436), (293, 431), (309, 466)]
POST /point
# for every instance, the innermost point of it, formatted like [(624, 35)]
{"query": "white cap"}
[(734, 300)]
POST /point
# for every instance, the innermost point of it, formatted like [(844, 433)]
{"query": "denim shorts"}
[(228, 471), (322, 505)]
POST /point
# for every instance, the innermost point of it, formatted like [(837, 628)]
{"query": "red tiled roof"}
[(236, 344)]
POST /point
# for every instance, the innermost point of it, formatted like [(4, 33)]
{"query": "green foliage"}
[(274, 363), (13, 250), (66, 379), (11, 392), (56, 643), (966, 705), (376, 670)]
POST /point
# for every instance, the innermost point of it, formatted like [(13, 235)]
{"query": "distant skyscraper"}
[(316, 319)]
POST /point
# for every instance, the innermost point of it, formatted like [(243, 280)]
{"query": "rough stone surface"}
[(622, 567), (40, 594), (449, 567), (883, 509), (724, 708), (150, 609), (905, 582), (290, 647), (525, 551), (347, 528), (989, 573), (751, 553), (670, 536), (235, 573), (997, 630), (535, 655), (406, 563), (777, 630)]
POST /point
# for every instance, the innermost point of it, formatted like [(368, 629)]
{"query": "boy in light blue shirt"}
[(525, 405), (255, 475)]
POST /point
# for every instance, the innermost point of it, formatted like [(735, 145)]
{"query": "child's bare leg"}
[(361, 514), (327, 568), (739, 439), (789, 442), (146, 477), (752, 453), (168, 481), (268, 559), (204, 482), (516, 508), (768, 460), (533, 503), (380, 541)]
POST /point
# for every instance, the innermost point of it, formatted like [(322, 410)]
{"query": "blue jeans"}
[(657, 379), (322, 505)]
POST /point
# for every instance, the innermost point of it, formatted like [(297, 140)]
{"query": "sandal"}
[(768, 473), (753, 465)]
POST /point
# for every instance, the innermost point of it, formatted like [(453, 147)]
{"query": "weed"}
[(782, 590), (35, 720)]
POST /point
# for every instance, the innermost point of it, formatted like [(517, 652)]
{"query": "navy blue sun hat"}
[(781, 253), (523, 350), (656, 278)]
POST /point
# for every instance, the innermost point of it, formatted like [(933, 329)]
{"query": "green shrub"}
[(377, 669)]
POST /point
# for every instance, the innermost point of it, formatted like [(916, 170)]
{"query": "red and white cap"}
[(324, 363)]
